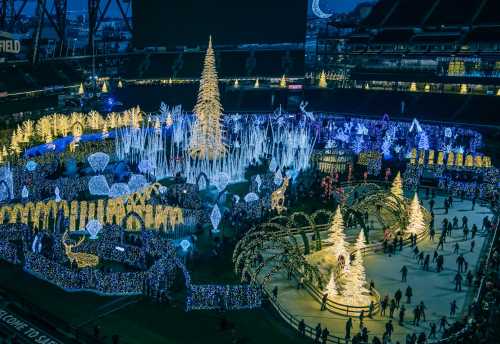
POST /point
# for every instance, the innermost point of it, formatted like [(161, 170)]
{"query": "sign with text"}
[(24, 328)]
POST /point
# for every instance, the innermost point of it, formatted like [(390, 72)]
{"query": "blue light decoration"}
[(185, 245), (226, 297), (423, 142)]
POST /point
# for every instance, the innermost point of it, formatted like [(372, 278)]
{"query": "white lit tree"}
[(206, 135), (416, 223), (337, 238), (331, 287), (355, 292), (397, 186)]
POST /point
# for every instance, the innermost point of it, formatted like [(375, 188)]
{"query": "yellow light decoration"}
[(430, 160), (82, 260), (459, 159), (486, 161), (207, 133), (322, 80), (416, 223), (498, 92), (256, 84), (278, 197), (413, 157), (4, 152), (104, 88), (421, 157), (427, 88), (463, 89), (81, 90), (451, 159), (440, 160), (397, 186), (283, 81), (413, 87), (478, 161), (469, 161)]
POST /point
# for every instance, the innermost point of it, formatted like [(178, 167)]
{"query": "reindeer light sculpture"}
[(82, 259)]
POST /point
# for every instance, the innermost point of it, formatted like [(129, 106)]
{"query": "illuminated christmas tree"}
[(257, 84), (81, 90), (355, 292), (206, 135), (397, 186), (331, 287), (322, 80), (416, 223), (104, 87), (337, 237)]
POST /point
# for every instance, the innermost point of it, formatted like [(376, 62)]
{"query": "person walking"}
[(442, 323), (383, 305), (426, 262), (440, 263), (422, 310), (432, 333), (323, 301), (389, 328), (453, 308), (440, 242), (431, 204), (458, 282), (408, 294), (456, 247), (434, 257), (466, 232), (402, 315), (370, 310), (473, 231), (404, 273), (460, 262), (472, 244), (397, 297), (392, 307), (361, 318), (416, 316)]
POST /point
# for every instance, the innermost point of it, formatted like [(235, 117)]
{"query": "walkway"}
[(436, 290)]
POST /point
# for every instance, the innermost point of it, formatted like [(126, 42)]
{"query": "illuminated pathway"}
[(436, 290)]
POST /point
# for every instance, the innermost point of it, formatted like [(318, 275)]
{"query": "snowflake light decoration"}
[(215, 218)]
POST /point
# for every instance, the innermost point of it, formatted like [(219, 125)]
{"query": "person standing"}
[(453, 308), (302, 328), (442, 323), (456, 247), (431, 204), (472, 244), (317, 334), (361, 318), (460, 262), (397, 297), (440, 263), (324, 335), (348, 327), (404, 273), (426, 262), (408, 294)]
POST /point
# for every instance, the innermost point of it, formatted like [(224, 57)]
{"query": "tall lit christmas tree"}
[(331, 287), (397, 186), (337, 237), (355, 292), (206, 135), (416, 223)]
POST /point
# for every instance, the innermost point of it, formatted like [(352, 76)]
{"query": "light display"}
[(322, 80), (207, 134), (416, 223), (215, 217), (397, 187), (93, 227), (251, 197), (355, 292), (98, 161), (83, 260), (278, 197), (339, 246), (104, 88), (283, 81), (81, 90)]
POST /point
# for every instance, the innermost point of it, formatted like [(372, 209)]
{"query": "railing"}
[(294, 322)]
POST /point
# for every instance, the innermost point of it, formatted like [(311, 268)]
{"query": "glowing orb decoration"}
[(98, 185), (93, 227), (163, 189), (215, 218), (118, 190), (31, 165), (98, 161), (137, 182), (221, 180), (185, 244), (250, 197)]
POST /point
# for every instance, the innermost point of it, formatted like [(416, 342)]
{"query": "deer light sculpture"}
[(82, 259)]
